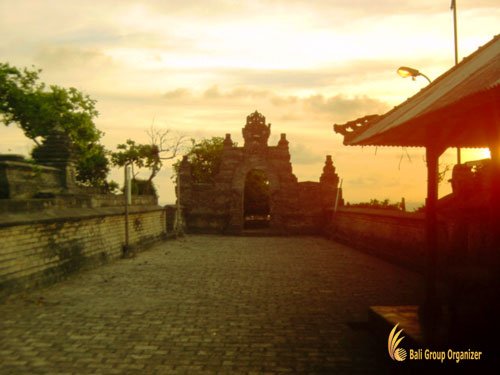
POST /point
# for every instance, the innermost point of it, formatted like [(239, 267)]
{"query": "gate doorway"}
[(256, 200)]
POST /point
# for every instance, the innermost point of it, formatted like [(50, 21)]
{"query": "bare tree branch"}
[(163, 142), (166, 142)]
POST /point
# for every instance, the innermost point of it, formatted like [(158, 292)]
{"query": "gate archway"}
[(282, 203), (256, 200)]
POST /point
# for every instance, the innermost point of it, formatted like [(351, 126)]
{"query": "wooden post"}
[(495, 204), (431, 221), (178, 214), (339, 188), (430, 309), (127, 194)]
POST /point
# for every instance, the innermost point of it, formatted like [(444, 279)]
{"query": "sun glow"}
[(476, 154), (199, 67)]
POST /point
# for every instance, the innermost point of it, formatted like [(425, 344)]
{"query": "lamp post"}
[(405, 72), (128, 201), (453, 7)]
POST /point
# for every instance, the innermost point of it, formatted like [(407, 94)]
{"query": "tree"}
[(39, 111), (163, 146), (375, 203), (93, 167), (205, 157)]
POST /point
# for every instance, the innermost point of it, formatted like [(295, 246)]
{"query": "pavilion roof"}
[(461, 108)]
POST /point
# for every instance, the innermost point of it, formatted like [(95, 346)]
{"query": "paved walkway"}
[(208, 304)]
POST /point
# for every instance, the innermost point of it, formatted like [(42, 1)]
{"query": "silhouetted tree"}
[(39, 110), (205, 157), (375, 203), (164, 146)]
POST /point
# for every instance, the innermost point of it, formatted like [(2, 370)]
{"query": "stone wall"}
[(20, 179), (41, 248), (10, 207), (400, 236), (394, 235)]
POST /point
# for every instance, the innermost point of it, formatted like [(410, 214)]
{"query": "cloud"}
[(332, 74), (237, 93), (289, 118), (180, 93), (321, 12), (302, 154), (215, 93), (69, 57), (364, 181), (206, 9), (280, 101), (339, 105), (245, 92), (369, 8), (343, 107), (212, 93)]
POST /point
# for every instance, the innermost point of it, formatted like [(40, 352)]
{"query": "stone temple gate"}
[(294, 207)]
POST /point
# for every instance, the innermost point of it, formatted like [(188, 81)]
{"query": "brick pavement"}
[(208, 304)]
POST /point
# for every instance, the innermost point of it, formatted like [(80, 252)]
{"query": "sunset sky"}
[(200, 67)]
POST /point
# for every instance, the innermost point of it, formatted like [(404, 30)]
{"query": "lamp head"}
[(405, 71)]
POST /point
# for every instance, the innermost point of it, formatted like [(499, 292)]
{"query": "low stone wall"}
[(289, 224), (15, 172), (41, 248), (73, 201), (304, 223), (206, 222), (400, 237), (393, 235)]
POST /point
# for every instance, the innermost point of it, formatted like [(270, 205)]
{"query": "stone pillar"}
[(329, 184), (283, 141), (329, 176), (185, 182), (228, 142)]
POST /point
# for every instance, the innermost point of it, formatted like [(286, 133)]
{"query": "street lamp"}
[(405, 71)]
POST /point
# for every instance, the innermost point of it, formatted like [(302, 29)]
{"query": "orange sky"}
[(200, 67)]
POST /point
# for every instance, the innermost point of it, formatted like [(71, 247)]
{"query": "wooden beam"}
[(431, 219), (495, 201)]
